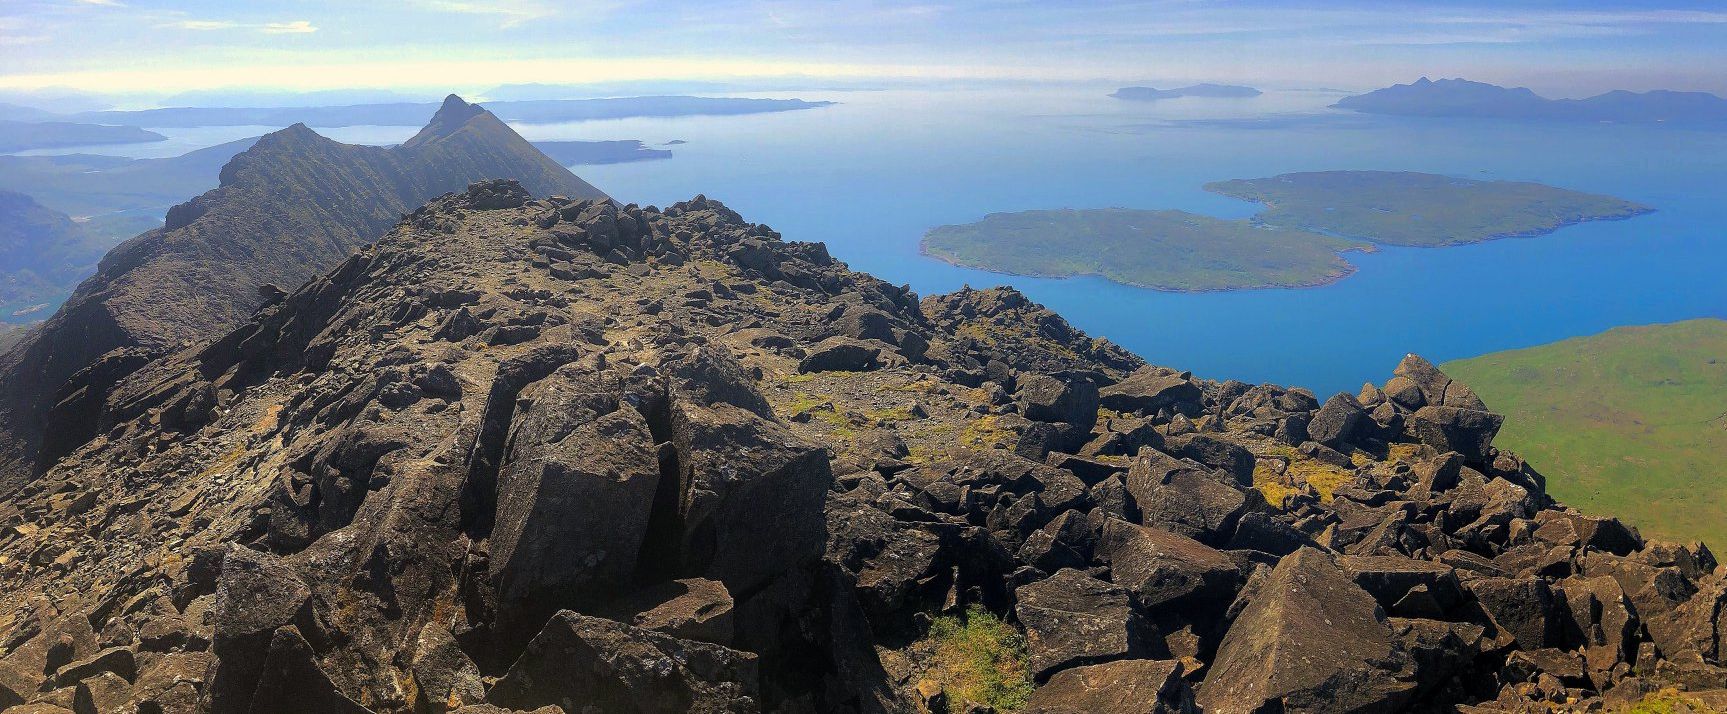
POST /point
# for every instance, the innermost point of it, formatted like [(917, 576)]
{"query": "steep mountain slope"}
[(569, 455), (289, 208), (40, 251), (1631, 422)]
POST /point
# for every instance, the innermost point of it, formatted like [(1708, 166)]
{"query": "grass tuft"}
[(980, 658)]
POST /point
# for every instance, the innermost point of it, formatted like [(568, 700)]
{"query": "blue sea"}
[(869, 175)]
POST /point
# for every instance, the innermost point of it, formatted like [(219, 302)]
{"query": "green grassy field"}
[(1414, 209), (1631, 422), (1163, 250)]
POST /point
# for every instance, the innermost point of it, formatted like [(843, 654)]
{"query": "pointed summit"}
[(289, 208), (450, 118)]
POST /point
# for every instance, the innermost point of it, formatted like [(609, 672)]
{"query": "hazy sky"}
[(166, 46)]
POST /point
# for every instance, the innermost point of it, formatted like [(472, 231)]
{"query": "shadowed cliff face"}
[(567, 453), (288, 209)]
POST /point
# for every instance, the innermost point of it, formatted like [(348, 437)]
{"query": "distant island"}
[(1215, 91), (1162, 250), (27, 135), (413, 113), (1415, 209), (1310, 219), (1463, 98), (1632, 421), (587, 153)]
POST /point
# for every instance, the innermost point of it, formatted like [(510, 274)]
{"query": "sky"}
[(163, 47)]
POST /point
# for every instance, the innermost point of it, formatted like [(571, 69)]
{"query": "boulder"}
[(1391, 579), (255, 595), (101, 693), (1432, 385), (1068, 401), (1468, 432), (841, 354), (292, 682), (1164, 569), (1338, 423), (583, 663), (1176, 497), (1311, 641), (1149, 390), (1073, 619), (444, 676), (1520, 607), (1133, 686), (574, 497), (751, 494), (1228, 457)]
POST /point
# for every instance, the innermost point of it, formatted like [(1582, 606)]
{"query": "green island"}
[(1309, 220), (1415, 209), (1631, 422), (1162, 250)]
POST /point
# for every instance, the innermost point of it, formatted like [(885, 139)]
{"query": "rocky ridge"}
[(557, 454), (288, 209)]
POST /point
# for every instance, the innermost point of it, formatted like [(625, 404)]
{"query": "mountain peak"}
[(451, 116)]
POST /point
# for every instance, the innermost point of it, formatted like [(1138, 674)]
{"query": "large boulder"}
[(841, 354), (1150, 390), (293, 683), (1521, 608), (1310, 641), (1221, 454), (256, 595), (1416, 383), (1073, 619), (751, 494), (585, 663), (1468, 432), (1338, 423), (1132, 686), (1068, 401), (574, 498), (1174, 496), (1164, 569)]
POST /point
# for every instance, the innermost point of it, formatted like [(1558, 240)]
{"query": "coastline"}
[(1349, 270)]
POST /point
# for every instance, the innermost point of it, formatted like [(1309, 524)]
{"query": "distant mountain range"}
[(27, 135), (1463, 98), (292, 206), (412, 113), (1216, 91)]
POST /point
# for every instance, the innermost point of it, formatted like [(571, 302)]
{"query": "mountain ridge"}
[(289, 207), (525, 453), (1464, 98)]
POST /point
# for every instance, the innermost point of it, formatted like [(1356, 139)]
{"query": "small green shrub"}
[(980, 657)]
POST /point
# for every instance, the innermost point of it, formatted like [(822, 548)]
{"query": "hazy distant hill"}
[(411, 113), (41, 250), (97, 185), (1216, 91), (292, 206), (27, 135), (93, 184), (1463, 98)]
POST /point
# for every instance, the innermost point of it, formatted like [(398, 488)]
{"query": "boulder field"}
[(553, 455)]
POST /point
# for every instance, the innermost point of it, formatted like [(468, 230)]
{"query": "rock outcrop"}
[(542, 454)]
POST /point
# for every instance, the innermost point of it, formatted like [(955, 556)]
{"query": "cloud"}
[(297, 27), (510, 12), (103, 3), (200, 25)]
